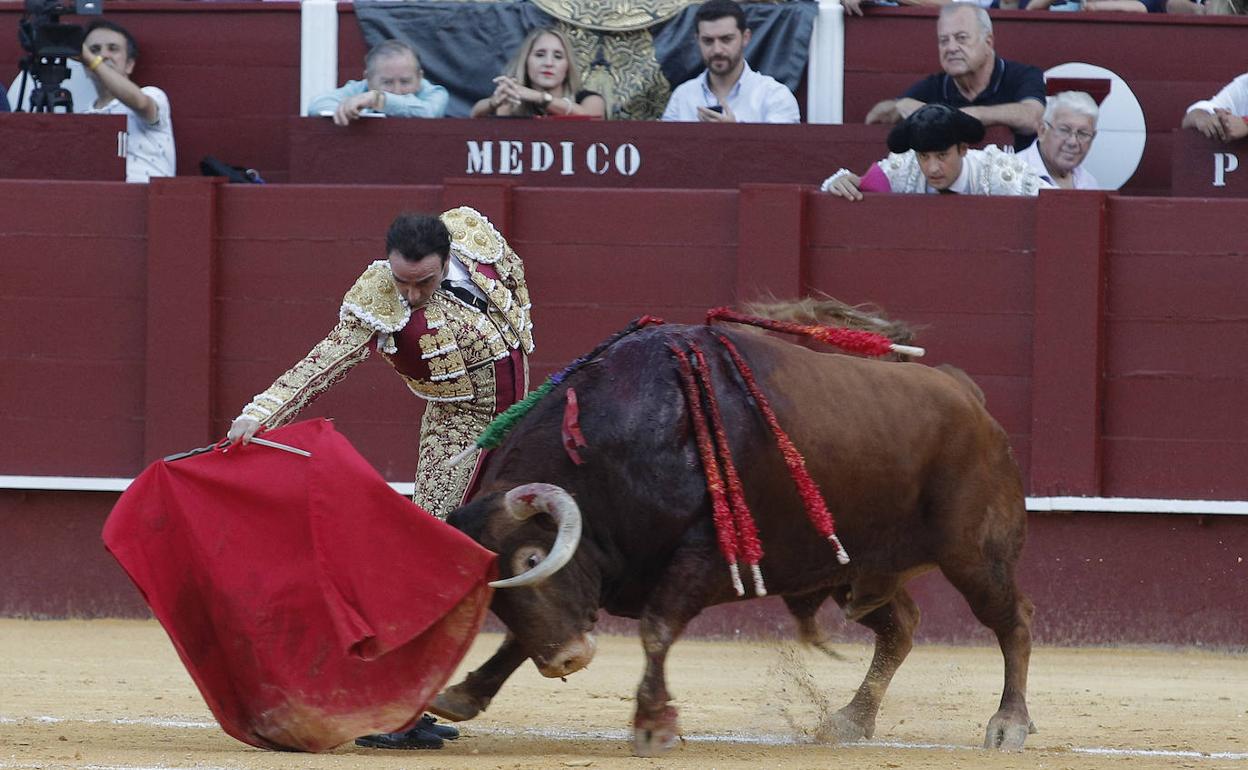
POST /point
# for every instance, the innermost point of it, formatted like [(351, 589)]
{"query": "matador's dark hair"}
[(416, 236), (935, 127)]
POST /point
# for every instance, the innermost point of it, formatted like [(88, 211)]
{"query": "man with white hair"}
[(393, 85), (1066, 135), (1225, 116), (974, 79)]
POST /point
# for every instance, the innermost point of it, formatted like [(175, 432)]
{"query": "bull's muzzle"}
[(530, 499), (572, 657)]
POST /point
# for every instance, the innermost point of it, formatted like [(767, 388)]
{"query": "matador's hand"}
[(243, 429)]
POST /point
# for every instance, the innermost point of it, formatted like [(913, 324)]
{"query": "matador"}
[(449, 309)]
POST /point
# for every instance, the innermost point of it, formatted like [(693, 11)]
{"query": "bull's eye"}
[(527, 558)]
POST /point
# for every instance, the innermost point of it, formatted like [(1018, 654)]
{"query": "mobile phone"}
[(717, 108)]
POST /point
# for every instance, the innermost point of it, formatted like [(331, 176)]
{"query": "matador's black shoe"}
[(425, 734), (445, 732)]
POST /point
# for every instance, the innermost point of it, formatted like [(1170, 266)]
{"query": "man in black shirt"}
[(974, 79)]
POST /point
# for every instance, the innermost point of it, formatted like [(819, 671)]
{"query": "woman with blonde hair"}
[(541, 79)]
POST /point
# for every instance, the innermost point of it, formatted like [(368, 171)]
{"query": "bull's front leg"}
[(471, 696), (680, 596)]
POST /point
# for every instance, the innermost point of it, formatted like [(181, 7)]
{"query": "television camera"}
[(49, 45)]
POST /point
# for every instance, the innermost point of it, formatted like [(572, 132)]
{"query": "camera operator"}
[(109, 53)]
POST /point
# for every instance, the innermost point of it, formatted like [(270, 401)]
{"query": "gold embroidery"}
[(612, 16), (460, 348), (375, 300), (624, 68), (327, 363), (458, 389), (445, 431), (473, 236), (437, 343)]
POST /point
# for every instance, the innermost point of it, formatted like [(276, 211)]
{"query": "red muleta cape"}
[(309, 601)]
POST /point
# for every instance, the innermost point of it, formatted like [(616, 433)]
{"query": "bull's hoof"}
[(842, 727), (457, 704), (655, 736), (1007, 732)]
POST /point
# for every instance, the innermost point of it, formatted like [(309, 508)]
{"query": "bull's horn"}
[(522, 502)]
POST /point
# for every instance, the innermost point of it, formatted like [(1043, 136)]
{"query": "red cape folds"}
[(309, 601)]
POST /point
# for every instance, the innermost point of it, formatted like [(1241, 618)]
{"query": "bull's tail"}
[(965, 381), (823, 310)]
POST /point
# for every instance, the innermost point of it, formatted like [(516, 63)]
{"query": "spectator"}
[(541, 79), (1225, 116), (392, 85), (1128, 6), (1066, 135), (930, 154), (728, 90), (974, 79), (109, 53), (1209, 7)]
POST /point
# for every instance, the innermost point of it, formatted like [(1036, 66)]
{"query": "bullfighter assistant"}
[(449, 309)]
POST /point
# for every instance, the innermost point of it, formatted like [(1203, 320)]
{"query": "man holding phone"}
[(728, 91)]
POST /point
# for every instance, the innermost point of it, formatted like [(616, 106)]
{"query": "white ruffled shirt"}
[(989, 171)]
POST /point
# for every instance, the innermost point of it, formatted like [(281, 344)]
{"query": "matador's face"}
[(418, 279)]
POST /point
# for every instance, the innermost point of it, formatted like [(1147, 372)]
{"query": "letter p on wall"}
[(1223, 163)]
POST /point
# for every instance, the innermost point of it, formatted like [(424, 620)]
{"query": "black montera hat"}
[(934, 127)]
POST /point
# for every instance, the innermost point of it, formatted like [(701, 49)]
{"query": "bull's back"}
[(907, 456)]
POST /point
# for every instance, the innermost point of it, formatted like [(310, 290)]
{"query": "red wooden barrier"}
[(138, 326), (559, 153), (1203, 167), (78, 147), (199, 293)]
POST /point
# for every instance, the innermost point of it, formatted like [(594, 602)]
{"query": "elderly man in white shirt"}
[(728, 91), (1066, 135), (1225, 116)]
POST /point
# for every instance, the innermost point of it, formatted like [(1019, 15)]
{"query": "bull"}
[(916, 472)]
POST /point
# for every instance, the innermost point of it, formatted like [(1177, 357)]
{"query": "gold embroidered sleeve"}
[(324, 365)]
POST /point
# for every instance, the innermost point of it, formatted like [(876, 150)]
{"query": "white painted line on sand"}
[(624, 735)]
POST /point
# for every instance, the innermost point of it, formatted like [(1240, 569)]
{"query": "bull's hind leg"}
[(804, 607), (991, 591), (893, 624)]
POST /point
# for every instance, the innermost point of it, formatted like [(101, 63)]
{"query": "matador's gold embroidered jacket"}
[(470, 365)]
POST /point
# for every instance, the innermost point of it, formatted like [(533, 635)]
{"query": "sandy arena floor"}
[(110, 695)]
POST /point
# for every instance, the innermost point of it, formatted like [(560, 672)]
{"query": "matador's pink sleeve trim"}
[(875, 180)]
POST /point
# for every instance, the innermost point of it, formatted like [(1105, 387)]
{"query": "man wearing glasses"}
[(1066, 135)]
